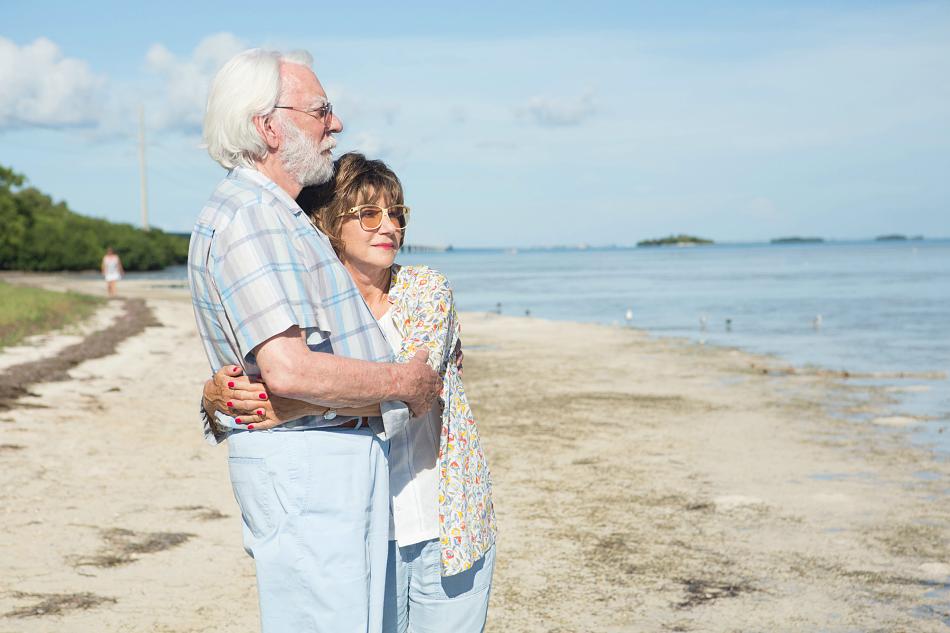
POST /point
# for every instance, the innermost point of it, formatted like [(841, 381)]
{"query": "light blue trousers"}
[(425, 602), (315, 506)]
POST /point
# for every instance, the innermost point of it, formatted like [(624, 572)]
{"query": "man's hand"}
[(417, 384)]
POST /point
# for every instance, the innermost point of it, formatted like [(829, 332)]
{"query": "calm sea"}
[(856, 306)]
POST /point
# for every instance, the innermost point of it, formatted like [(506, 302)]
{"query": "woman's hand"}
[(232, 393), (249, 403)]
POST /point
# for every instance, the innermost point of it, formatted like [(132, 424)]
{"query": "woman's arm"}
[(430, 320)]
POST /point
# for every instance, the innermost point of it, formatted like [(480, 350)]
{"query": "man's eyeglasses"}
[(324, 113), (371, 215)]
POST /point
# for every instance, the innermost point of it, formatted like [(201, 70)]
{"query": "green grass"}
[(26, 311)]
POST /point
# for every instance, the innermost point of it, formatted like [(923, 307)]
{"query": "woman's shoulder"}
[(420, 278)]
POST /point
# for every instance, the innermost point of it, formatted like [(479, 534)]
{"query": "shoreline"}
[(641, 483), (881, 388), (885, 385), (879, 391)]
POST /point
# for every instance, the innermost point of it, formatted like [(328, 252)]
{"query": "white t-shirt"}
[(413, 468)]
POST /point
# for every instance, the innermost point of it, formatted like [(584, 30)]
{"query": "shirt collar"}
[(256, 177)]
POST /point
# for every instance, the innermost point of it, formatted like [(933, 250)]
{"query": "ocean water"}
[(878, 306), (883, 306)]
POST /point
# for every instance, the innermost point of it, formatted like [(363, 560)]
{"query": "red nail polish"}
[(231, 384), (250, 427), (260, 412), (234, 368), (230, 404), (263, 396), (238, 420)]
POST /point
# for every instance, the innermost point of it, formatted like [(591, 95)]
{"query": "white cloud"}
[(559, 111), (373, 145), (180, 103), (760, 209), (366, 143), (43, 88), (458, 115), (375, 107)]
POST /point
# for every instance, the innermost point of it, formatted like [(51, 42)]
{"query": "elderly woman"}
[(442, 526)]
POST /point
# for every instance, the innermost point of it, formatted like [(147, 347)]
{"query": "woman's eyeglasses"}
[(371, 215)]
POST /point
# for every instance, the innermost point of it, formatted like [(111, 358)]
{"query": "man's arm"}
[(242, 400), (291, 370)]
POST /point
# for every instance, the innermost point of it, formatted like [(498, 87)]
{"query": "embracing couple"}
[(353, 453)]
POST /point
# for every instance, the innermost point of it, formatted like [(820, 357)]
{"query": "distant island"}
[(897, 237), (675, 240), (797, 240)]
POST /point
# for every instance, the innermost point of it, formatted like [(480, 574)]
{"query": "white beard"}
[(303, 157)]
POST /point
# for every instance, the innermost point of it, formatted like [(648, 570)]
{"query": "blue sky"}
[(529, 123)]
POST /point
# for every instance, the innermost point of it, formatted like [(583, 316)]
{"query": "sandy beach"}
[(641, 484)]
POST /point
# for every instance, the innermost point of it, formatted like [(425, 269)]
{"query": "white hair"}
[(247, 86)]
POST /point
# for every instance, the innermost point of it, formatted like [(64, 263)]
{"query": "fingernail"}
[(250, 427), (238, 420), (234, 368), (260, 412), (262, 396), (231, 384), (230, 404)]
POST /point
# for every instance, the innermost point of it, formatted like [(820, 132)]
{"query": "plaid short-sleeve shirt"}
[(256, 267)]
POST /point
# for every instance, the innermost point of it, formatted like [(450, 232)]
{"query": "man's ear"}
[(268, 131)]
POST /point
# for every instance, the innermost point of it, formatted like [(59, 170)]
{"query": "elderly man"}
[(270, 296)]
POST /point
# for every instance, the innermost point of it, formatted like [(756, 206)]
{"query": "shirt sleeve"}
[(430, 322), (260, 276)]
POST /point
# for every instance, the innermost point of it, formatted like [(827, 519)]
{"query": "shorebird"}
[(816, 322), (728, 325), (628, 316), (702, 322)]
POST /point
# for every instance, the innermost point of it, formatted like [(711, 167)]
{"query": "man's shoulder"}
[(233, 194), (237, 204)]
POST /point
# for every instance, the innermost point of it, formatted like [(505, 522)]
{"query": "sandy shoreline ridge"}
[(641, 485)]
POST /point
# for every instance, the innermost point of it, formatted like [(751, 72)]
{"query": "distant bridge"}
[(422, 248)]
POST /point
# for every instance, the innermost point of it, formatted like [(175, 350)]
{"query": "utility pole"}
[(142, 175)]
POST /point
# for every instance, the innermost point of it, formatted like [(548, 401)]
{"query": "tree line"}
[(38, 234)]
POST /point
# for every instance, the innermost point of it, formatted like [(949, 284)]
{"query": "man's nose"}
[(336, 124)]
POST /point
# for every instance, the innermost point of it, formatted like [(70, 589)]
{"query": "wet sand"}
[(641, 485)]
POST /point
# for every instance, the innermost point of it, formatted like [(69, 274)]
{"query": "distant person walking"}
[(112, 270)]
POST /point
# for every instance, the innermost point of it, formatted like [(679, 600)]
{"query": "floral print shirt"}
[(424, 314)]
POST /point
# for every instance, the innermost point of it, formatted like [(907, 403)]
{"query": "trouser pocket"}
[(255, 494)]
